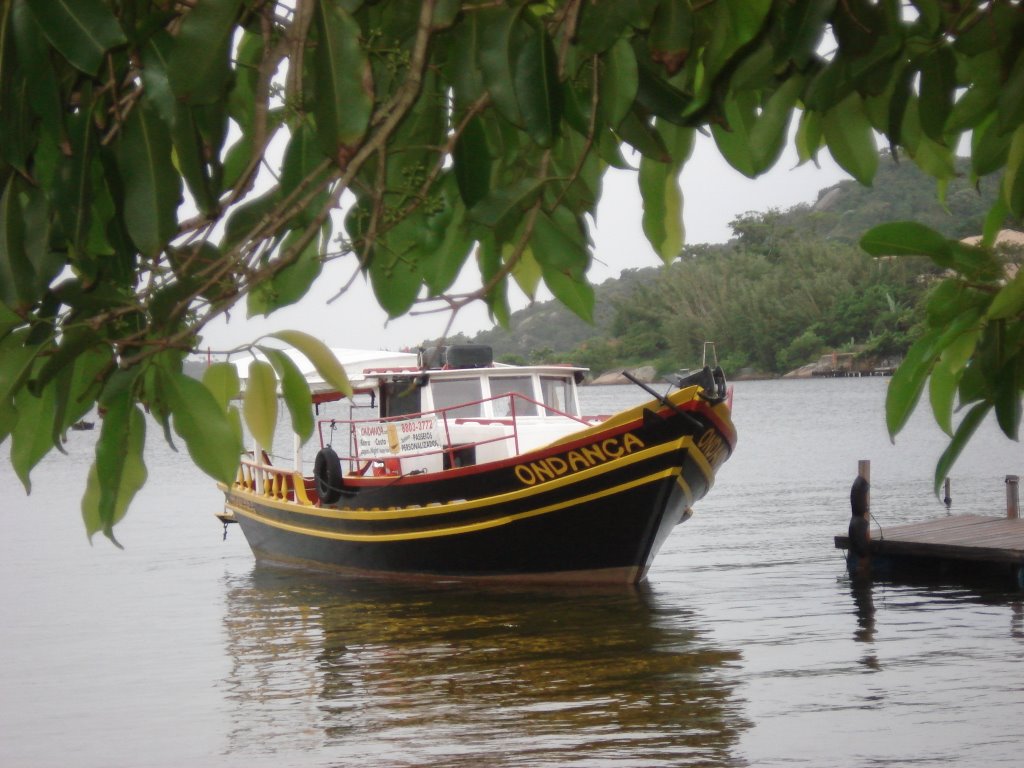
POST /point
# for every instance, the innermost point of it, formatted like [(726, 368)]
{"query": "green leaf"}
[(671, 34), (975, 263), (1007, 396), (445, 13), (8, 321), (199, 419), (909, 380), (119, 470), (654, 94), (320, 356), (662, 197), (222, 381), (292, 282), (808, 137), (462, 69), (74, 342), (155, 78), (500, 210), (30, 437), (295, 391), (640, 135), (73, 193), (937, 91), (16, 273), (558, 243), (802, 28), (1009, 302), (189, 152), (1011, 99), (302, 159), (942, 387), (34, 57), (490, 258), (259, 405), (850, 139), (768, 135), (907, 238), (152, 187), (1013, 178), (968, 426), (16, 360), (344, 81), (527, 273), (119, 459), (989, 148), (81, 30), (618, 84), (679, 142), (602, 24), (199, 65), (496, 57), (733, 139), (91, 369), (441, 267), (395, 279), (537, 88), (945, 377), (471, 159), (576, 294), (247, 219), (934, 159)]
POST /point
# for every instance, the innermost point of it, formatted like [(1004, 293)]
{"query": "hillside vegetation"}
[(787, 287)]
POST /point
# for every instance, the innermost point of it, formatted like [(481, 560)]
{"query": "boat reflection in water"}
[(324, 670)]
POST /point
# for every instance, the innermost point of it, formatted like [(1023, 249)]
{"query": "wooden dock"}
[(992, 542)]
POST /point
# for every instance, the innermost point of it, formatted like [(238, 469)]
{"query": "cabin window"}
[(401, 397), (452, 392), (558, 394), (513, 385)]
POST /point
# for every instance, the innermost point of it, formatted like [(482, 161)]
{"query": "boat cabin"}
[(455, 407)]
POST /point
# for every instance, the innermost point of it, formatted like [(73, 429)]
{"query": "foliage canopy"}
[(162, 161)]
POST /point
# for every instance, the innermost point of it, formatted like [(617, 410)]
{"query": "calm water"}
[(749, 645)]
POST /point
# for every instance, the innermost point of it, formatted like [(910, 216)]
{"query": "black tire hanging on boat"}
[(327, 475)]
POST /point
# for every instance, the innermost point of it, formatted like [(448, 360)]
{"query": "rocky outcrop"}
[(645, 373)]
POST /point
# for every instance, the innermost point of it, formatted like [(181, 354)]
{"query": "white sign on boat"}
[(382, 439)]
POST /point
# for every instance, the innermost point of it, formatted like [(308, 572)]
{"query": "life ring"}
[(327, 475)]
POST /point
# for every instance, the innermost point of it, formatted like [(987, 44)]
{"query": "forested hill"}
[(788, 286)]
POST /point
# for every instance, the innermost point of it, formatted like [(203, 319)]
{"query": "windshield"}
[(452, 392), (513, 385), (558, 394)]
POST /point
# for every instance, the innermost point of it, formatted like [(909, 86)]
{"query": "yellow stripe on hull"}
[(458, 529), (456, 507)]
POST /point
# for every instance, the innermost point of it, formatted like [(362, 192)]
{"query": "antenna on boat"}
[(714, 354)]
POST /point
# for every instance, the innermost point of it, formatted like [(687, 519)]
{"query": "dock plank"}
[(957, 537)]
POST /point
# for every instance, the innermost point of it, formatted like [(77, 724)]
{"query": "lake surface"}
[(749, 646)]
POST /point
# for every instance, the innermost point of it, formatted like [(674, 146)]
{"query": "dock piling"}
[(1012, 498), (864, 470)]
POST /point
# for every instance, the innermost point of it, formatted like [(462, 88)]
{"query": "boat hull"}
[(595, 507)]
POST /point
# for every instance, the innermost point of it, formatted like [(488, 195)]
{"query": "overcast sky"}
[(713, 195)]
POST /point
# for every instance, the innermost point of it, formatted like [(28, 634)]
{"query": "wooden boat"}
[(468, 469)]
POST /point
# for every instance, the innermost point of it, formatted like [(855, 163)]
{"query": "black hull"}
[(560, 514)]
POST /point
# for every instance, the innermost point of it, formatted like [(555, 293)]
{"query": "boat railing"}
[(519, 406), (261, 477)]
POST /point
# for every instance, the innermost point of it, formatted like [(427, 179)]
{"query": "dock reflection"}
[(406, 675)]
